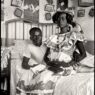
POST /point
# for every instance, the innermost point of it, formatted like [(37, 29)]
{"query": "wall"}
[(86, 22), (8, 15), (9, 10), (18, 26)]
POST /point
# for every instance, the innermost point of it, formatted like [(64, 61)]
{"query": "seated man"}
[(32, 62), (35, 50)]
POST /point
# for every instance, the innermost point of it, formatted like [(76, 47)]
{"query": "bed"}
[(77, 84)]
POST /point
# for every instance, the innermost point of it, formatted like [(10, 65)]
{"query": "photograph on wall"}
[(31, 10), (46, 10), (81, 13), (16, 3), (85, 3), (18, 12), (62, 4)]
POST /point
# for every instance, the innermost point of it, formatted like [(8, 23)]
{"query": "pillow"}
[(88, 61), (89, 46)]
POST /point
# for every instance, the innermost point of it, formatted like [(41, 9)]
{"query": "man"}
[(34, 48), (32, 62)]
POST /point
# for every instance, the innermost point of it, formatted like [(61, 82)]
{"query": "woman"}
[(66, 48), (45, 81)]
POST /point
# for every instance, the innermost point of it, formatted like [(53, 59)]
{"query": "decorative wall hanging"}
[(48, 16), (81, 13), (18, 12), (46, 10), (49, 8), (50, 2), (91, 12), (31, 10), (85, 3), (16, 3), (62, 4)]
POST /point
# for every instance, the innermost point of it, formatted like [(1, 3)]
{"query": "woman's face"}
[(37, 38), (62, 21)]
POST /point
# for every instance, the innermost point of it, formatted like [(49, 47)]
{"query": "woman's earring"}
[(69, 28)]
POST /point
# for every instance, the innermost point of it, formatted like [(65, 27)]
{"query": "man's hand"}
[(38, 68)]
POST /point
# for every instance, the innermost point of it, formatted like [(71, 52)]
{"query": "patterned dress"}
[(62, 46)]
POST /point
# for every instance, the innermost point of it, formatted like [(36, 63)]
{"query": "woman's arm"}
[(82, 52), (46, 59)]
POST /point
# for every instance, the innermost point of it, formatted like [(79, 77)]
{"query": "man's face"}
[(62, 22), (37, 38)]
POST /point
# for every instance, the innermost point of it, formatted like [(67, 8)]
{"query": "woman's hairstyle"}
[(69, 17), (33, 30)]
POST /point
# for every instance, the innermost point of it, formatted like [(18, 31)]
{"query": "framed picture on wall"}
[(46, 10), (18, 12), (31, 13), (81, 13), (16, 3), (85, 3), (49, 8), (48, 16), (62, 4)]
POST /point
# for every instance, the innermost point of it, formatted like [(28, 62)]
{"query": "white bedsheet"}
[(78, 84)]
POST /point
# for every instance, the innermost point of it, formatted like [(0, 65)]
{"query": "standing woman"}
[(66, 48)]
